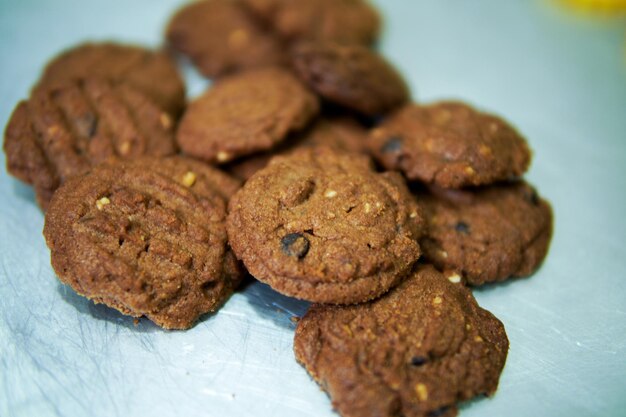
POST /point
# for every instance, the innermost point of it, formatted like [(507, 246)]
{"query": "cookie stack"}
[(305, 165)]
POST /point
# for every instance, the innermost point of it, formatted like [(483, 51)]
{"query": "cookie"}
[(414, 352), (489, 234), (352, 76), (221, 37), (341, 132), (145, 237), (344, 21), (450, 144), (152, 72), (323, 226), (245, 113), (64, 130)]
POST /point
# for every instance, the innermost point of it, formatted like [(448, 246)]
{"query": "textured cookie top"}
[(321, 225), (450, 144), (488, 234), (414, 352), (245, 113), (145, 237), (345, 21), (221, 36), (64, 130), (350, 75), (152, 72), (341, 133)]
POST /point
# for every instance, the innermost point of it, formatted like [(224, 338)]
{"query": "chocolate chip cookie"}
[(350, 75), (414, 352), (221, 37), (245, 113), (344, 21), (152, 72), (450, 144), (145, 237), (64, 130), (342, 133), (322, 225), (489, 234)]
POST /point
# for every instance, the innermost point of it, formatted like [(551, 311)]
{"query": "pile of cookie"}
[(305, 165)]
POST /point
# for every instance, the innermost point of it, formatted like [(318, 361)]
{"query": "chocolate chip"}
[(295, 244), (438, 412), (394, 144), (462, 227), (418, 360)]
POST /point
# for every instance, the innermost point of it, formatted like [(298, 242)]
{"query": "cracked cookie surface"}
[(449, 144), (414, 352), (323, 226), (146, 237), (221, 37), (152, 72), (63, 131), (245, 113), (487, 234), (352, 76)]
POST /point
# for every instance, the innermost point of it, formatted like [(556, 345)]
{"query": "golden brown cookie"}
[(146, 237), (152, 72), (221, 37), (449, 144), (487, 234), (344, 21), (415, 352), (64, 130), (245, 113), (323, 226), (352, 76)]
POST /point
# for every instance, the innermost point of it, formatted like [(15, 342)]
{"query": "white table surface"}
[(559, 78)]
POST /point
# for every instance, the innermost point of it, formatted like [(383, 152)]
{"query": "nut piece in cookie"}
[(414, 352), (245, 113), (488, 234), (449, 144), (146, 237), (64, 130), (152, 72), (221, 37), (344, 21), (321, 225), (350, 75)]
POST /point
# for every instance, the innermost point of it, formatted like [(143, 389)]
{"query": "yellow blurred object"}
[(605, 7)]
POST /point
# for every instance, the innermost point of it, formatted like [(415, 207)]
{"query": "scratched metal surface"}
[(561, 79)]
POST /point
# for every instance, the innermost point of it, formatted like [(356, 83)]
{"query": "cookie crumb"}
[(422, 392), (437, 300), (102, 202), (125, 148), (189, 179), (478, 339), (469, 170), (223, 156), (330, 194), (166, 120), (454, 278), (413, 214)]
